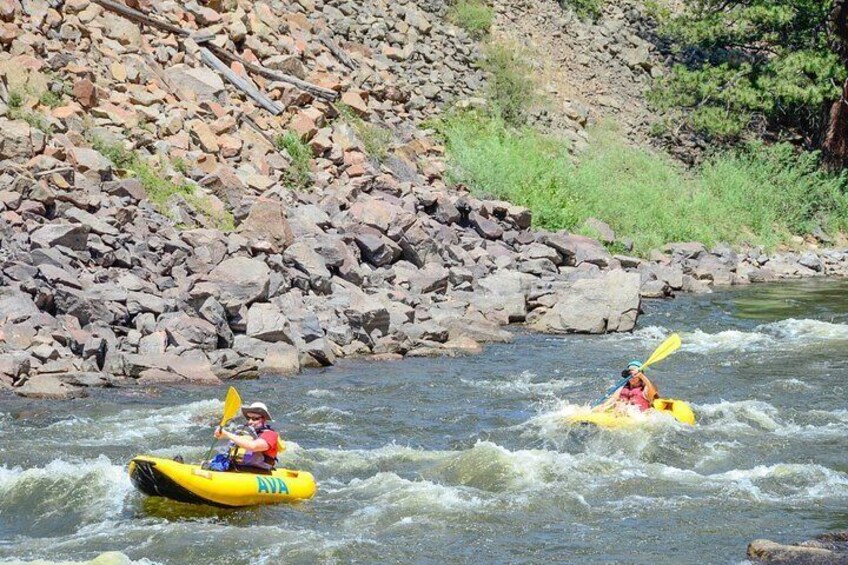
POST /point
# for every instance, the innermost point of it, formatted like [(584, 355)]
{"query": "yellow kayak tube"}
[(612, 418), (155, 476)]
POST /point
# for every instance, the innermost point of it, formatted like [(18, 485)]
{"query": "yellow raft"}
[(155, 476), (680, 410)]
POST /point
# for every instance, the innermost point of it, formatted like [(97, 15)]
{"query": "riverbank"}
[(162, 226)]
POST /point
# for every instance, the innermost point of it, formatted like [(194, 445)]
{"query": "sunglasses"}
[(253, 418)]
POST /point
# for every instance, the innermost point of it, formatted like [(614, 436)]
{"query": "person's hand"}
[(219, 432)]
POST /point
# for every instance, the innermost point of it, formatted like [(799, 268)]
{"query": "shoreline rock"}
[(826, 549)]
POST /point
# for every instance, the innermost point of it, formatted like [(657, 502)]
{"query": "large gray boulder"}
[(18, 140), (15, 306), (609, 303), (49, 387), (307, 260), (267, 222), (73, 236), (234, 283), (265, 321)]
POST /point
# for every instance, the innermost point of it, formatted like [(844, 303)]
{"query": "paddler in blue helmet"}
[(257, 449), (638, 391)]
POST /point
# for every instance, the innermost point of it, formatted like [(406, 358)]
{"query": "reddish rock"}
[(9, 9), (356, 101), (85, 92)]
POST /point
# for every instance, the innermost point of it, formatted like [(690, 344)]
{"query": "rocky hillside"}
[(196, 192)]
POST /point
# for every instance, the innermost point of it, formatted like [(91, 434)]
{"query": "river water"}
[(468, 460)]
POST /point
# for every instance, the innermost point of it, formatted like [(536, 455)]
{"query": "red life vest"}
[(635, 396)]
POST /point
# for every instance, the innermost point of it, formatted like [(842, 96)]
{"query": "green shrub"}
[(516, 165), (376, 139), (510, 86), (161, 190), (584, 8), (474, 16), (50, 99), (300, 153), (16, 99), (757, 194), (772, 63)]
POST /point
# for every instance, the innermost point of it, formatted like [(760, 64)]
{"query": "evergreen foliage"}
[(752, 64)]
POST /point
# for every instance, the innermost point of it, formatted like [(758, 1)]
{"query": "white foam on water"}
[(792, 385), (774, 484), (139, 425), (321, 393), (325, 413), (386, 498), (730, 417), (647, 335), (728, 340), (782, 335), (359, 460), (522, 384), (805, 331), (103, 486), (107, 558)]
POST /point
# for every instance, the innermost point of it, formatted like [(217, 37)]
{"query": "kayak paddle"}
[(666, 348), (231, 407)]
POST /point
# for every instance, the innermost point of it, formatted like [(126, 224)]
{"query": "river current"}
[(468, 460)]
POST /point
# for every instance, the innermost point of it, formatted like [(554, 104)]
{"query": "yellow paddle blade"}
[(666, 348), (231, 405), (281, 445)]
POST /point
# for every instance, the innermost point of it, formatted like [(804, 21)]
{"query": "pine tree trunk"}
[(835, 145)]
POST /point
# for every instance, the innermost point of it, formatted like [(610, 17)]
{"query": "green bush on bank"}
[(584, 8), (759, 194), (474, 16), (161, 190), (510, 88)]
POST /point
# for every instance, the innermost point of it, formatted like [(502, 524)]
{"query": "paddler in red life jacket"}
[(259, 452), (638, 391)]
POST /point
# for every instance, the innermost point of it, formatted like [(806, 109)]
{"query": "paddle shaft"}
[(612, 390)]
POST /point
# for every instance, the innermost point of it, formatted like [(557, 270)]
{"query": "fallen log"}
[(144, 19), (245, 86)]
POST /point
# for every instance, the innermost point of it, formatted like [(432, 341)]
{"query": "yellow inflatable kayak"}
[(155, 476), (678, 409)]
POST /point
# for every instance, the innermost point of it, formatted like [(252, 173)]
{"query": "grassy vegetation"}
[(510, 88), (584, 8), (300, 153), (17, 111), (50, 99), (376, 139), (758, 195), (474, 16), (161, 190)]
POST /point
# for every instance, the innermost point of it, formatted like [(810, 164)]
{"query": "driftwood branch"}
[(139, 17), (245, 86), (339, 53), (314, 89)]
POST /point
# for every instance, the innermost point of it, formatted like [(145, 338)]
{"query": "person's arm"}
[(257, 445)]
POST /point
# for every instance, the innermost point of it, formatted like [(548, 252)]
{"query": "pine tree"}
[(767, 66)]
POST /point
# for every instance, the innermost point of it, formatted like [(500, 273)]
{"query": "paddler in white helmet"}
[(259, 447)]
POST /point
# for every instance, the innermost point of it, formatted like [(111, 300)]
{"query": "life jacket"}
[(263, 460), (635, 396), (643, 397)]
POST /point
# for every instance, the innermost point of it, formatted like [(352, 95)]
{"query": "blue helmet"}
[(635, 365)]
